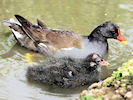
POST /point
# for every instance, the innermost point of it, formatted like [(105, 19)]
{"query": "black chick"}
[(67, 72)]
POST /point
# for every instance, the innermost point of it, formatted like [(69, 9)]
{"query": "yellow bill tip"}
[(124, 42)]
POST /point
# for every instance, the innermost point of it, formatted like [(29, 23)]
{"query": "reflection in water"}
[(81, 16)]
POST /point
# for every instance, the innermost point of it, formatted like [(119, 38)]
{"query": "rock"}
[(107, 81), (116, 97), (110, 78), (109, 94), (99, 93), (124, 80), (123, 85), (84, 93), (121, 91), (106, 89), (118, 82), (126, 73), (129, 95), (77, 98), (129, 87), (116, 86), (95, 85), (117, 91)]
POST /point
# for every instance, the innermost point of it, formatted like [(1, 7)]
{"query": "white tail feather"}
[(6, 22), (13, 21)]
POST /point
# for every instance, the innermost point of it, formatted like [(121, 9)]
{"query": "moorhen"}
[(67, 72), (60, 43)]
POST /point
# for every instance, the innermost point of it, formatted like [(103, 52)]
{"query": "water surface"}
[(81, 16)]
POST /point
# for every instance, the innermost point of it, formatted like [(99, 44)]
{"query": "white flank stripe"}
[(67, 48), (42, 45), (17, 34)]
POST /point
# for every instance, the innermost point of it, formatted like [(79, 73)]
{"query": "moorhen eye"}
[(113, 31)]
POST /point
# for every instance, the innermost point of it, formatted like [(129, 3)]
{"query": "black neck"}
[(97, 35)]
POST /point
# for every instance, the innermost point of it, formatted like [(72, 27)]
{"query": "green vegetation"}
[(90, 98), (124, 73), (87, 97)]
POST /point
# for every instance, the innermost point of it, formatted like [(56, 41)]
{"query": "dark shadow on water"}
[(13, 50), (22, 51), (54, 90)]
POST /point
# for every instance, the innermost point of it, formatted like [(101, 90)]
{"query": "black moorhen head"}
[(107, 30), (67, 72)]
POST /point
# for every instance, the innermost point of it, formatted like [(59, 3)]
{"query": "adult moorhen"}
[(68, 72), (59, 43)]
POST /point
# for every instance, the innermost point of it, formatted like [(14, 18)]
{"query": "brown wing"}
[(64, 39), (56, 38)]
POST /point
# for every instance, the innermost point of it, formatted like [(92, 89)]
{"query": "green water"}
[(81, 16)]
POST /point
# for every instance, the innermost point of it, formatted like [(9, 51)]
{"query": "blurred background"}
[(81, 16)]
